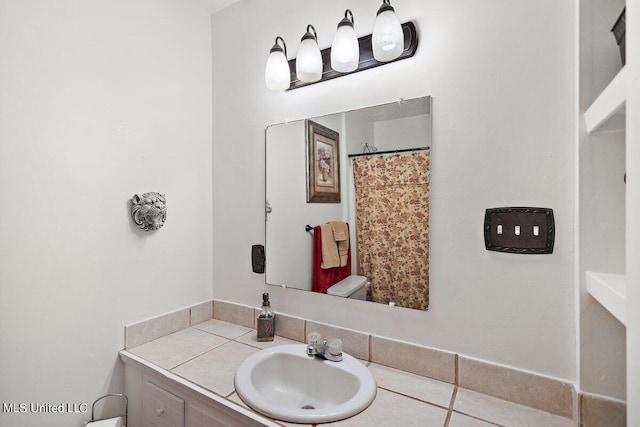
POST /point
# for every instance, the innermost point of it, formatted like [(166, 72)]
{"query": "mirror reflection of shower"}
[(392, 225), (380, 132)]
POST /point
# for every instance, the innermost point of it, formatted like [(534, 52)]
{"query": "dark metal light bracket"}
[(519, 230), (366, 60)]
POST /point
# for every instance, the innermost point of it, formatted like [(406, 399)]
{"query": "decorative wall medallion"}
[(149, 211)]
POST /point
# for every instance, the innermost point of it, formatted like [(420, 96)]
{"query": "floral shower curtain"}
[(392, 220)]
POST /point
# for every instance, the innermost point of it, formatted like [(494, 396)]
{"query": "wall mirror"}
[(356, 185)]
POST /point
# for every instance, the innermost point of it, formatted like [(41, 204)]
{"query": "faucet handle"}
[(314, 338), (335, 346)]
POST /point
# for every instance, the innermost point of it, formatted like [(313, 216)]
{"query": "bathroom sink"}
[(285, 384)]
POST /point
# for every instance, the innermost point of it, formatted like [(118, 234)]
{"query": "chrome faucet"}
[(331, 350)]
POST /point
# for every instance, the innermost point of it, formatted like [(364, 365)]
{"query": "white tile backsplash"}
[(398, 366), (151, 329)]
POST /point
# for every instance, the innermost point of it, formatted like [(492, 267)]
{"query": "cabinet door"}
[(200, 417), (204, 415), (161, 408)]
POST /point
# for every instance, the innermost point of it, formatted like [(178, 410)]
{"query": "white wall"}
[(289, 246), (98, 101), (407, 132), (360, 132), (501, 77)]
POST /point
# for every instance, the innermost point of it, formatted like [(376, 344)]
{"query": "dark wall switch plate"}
[(519, 230), (257, 258)]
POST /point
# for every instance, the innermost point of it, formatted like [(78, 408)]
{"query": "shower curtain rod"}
[(405, 150)]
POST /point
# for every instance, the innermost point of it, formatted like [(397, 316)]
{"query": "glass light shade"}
[(309, 59), (345, 50), (277, 74), (387, 39)]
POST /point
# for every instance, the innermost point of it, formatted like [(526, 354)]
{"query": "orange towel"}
[(330, 255), (341, 237), (323, 279)]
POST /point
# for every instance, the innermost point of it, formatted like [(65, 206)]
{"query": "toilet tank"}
[(354, 287)]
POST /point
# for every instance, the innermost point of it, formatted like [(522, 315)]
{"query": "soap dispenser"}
[(266, 320)]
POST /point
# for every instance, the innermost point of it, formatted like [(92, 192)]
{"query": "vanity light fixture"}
[(345, 49), (388, 39), (309, 59), (277, 74)]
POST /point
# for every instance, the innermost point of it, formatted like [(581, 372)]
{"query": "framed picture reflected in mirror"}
[(323, 164)]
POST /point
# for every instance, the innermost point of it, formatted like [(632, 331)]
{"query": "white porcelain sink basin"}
[(284, 383)]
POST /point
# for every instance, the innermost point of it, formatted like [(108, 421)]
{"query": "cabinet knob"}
[(159, 411)]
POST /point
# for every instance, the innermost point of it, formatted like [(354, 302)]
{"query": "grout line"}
[(412, 397), (456, 367), (245, 343), (448, 419), (454, 395), (254, 318), (213, 311), (577, 407), (451, 403), (198, 355), (217, 334), (481, 419)]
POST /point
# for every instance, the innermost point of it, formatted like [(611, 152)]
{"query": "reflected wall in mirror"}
[(384, 162)]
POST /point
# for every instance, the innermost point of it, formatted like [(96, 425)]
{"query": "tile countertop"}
[(403, 398)]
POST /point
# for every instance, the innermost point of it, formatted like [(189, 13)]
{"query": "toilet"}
[(354, 287)]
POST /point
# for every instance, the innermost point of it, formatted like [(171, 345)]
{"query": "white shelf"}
[(610, 290), (609, 104)]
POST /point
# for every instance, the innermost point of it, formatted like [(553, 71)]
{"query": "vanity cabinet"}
[(161, 408), (203, 416), (159, 398)]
